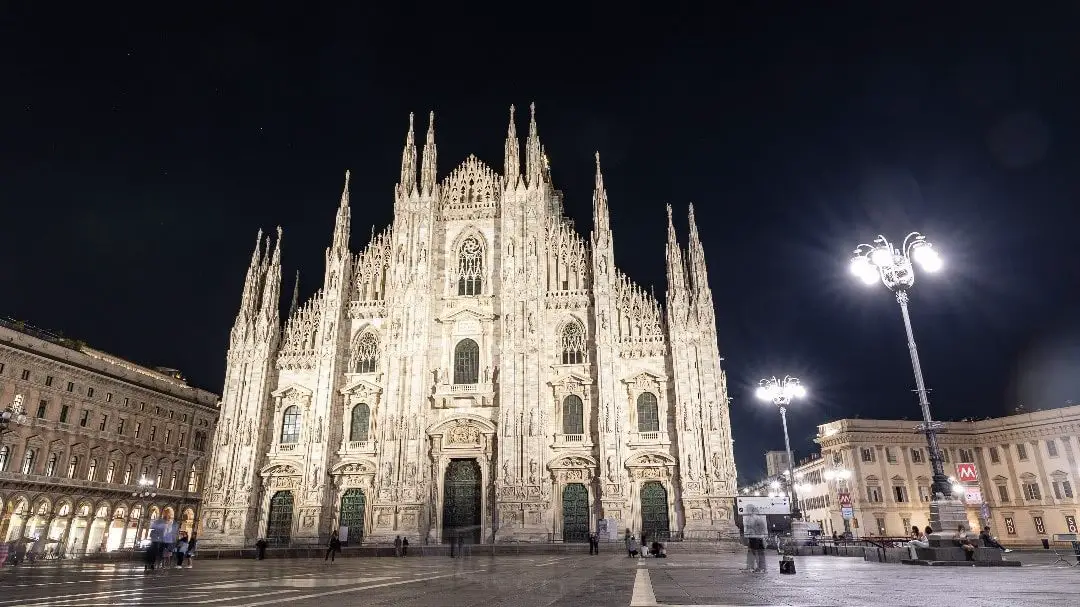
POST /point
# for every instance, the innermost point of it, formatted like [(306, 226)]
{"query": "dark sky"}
[(141, 148)]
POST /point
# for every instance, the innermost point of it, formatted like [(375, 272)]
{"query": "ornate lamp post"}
[(781, 393), (146, 489), (12, 415), (895, 268)]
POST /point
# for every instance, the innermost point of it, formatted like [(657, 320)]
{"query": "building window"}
[(127, 474), (172, 480), (873, 494), (168, 436), (867, 454), (1021, 452), (180, 443), (28, 462), (648, 413), (26, 374), (5, 455), (916, 456), (1, 367), (966, 456), (881, 526), (198, 442), (138, 429), (50, 466), (466, 362), (290, 426), (73, 466), (995, 457), (71, 386), (41, 409), (900, 493), (193, 480), (90, 393), (120, 426), (1051, 448), (945, 455), (1031, 491), (360, 423), (160, 473), (64, 414), (153, 433), (48, 380), (573, 420), (108, 397), (573, 344), (1003, 493), (1040, 527), (110, 472), (91, 472), (104, 420), (470, 267), (924, 493), (367, 353), (1062, 489), (889, 455), (84, 419)]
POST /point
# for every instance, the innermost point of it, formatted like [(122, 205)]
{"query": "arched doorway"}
[(279, 523), (461, 501), (654, 511), (353, 505), (575, 513)]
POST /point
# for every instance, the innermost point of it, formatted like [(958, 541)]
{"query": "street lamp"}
[(895, 268), (781, 393), (13, 414), (146, 489)]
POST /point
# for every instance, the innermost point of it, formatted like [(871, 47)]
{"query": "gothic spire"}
[(248, 300), (269, 309), (676, 271), (408, 161), (428, 170), (295, 295), (340, 242), (601, 215), (512, 162), (534, 156), (696, 254)]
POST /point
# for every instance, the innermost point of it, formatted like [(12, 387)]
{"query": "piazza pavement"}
[(610, 579)]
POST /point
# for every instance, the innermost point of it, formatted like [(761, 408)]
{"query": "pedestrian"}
[(594, 544), (153, 552), (757, 548), (404, 546), (4, 548), (180, 549), (332, 547), (397, 546), (632, 546), (922, 541), (990, 541), (260, 549), (191, 547)]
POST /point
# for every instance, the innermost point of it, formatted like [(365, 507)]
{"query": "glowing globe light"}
[(881, 257)]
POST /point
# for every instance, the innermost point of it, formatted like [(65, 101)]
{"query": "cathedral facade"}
[(477, 370)]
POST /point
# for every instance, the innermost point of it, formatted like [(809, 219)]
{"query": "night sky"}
[(141, 149)]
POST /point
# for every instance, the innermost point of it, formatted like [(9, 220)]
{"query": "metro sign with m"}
[(967, 473)]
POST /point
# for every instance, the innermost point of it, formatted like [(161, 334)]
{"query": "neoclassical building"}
[(477, 369), (86, 428)]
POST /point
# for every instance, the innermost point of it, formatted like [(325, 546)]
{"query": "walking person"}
[(757, 549), (260, 549), (332, 547), (397, 546), (404, 546), (594, 544), (153, 552), (180, 549), (191, 547)]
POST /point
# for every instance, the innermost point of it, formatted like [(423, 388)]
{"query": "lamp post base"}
[(946, 516)]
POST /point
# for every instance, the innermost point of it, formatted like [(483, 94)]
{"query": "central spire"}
[(428, 170), (601, 214), (340, 243), (408, 161), (512, 162), (535, 164)]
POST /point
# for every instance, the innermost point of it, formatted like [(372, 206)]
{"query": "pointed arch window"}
[(172, 480), (110, 473), (73, 466), (648, 414), (50, 466), (573, 420), (573, 344), (367, 353), (127, 474), (466, 362), (193, 480), (290, 425), (360, 423), (28, 462), (91, 472), (470, 267), (5, 455)]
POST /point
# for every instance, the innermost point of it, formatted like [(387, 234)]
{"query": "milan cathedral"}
[(478, 370)]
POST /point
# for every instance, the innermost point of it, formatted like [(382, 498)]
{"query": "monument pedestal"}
[(946, 517)]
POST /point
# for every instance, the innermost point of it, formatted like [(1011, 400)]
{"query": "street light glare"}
[(763, 393), (869, 278), (799, 391), (881, 257), (925, 255)]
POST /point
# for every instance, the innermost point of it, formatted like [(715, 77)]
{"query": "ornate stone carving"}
[(463, 433)]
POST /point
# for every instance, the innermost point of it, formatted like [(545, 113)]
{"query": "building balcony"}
[(75, 485), (450, 396), (570, 441), (354, 447), (658, 438), (286, 448)]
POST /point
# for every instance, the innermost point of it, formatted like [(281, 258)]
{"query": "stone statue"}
[(495, 374), (318, 430), (718, 465), (487, 374), (532, 325), (690, 465), (388, 472), (603, 320), (507, 477), (532, 422), (611, 468), (533, 467)]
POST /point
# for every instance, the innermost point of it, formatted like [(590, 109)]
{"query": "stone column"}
[(90, 520), (123, 534)]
